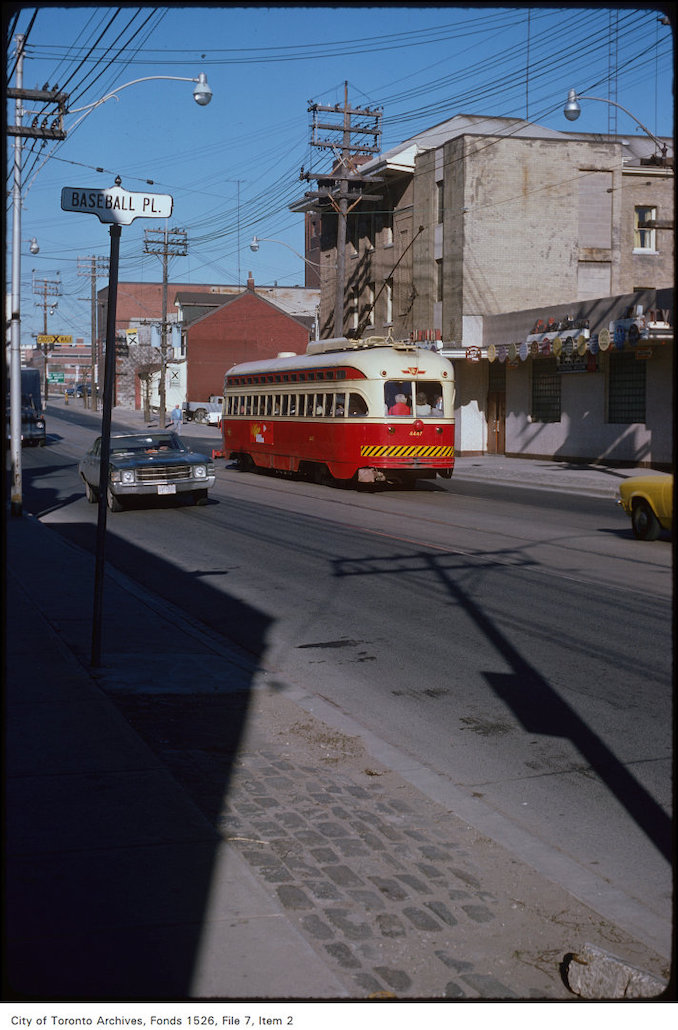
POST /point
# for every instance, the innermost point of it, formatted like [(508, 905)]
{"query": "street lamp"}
[(572, 110), (254, 246), (256, 240), (202, 94)]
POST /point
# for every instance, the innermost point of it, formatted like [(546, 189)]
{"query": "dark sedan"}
[(154, 464)]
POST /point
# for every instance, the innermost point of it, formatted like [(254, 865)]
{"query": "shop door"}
[(496, 422)]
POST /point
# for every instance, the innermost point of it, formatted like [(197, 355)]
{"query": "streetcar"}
[(371, 410)]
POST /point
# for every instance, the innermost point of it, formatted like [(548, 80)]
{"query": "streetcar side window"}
[(340, 405), (284, 401), (328, 404), (356, 404), (269, 404)]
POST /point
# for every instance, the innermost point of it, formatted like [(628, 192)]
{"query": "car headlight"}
[(127, 476), (200, 472)]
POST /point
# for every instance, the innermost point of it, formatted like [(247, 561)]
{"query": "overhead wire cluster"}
[(259, 187)]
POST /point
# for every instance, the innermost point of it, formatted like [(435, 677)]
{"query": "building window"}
[(387, 228), (545, 391), (388, 294), (626, 389), (441, 201), (439, 280), (369, 308), (355, 304), (644, 239), (366, 230)]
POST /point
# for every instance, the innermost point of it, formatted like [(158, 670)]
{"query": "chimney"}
[(250, 281)]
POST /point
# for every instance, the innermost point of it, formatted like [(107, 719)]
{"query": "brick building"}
[(202, 341), (230, 329), (481, 217)]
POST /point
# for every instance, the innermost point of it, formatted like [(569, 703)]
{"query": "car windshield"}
[(155, 443)]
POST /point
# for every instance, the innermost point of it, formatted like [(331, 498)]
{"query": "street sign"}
[(56, 377), (115, 204), (54, 339)]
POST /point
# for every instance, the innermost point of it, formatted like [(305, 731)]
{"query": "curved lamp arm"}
[(202, 94), (256, 240), (572, 110)]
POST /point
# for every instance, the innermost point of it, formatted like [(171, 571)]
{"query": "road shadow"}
[(533, 700)]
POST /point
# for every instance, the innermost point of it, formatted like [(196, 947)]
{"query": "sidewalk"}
[(179, 825)]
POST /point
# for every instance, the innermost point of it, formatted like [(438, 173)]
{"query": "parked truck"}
[(33, 430), (198, 411)]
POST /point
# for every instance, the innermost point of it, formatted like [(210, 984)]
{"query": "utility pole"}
[(342, 188), (166, 243), (54, 130), (92, 267), (47, 288)]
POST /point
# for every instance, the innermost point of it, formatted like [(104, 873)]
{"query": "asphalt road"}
[(507, 651)]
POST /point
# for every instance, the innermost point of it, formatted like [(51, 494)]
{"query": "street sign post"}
[(117, 207)]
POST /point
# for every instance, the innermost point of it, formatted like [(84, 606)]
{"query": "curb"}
[(596, 974)]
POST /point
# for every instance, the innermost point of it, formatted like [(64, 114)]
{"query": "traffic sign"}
[(115, 204), (54, 339)]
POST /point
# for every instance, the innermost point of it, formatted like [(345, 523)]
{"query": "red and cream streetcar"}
[(348, 411)]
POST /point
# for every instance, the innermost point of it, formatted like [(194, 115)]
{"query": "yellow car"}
[(649, 502)]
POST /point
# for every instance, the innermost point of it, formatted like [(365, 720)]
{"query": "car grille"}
[(163, 473)]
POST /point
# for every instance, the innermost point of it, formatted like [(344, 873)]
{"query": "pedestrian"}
[(176, 418)]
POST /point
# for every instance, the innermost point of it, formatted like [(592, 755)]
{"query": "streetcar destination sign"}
[(116, 204)]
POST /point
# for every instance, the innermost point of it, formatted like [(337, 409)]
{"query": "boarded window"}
[(593, 279), (595, 209)]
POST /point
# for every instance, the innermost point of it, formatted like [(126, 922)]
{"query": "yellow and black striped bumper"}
[(375, 451)]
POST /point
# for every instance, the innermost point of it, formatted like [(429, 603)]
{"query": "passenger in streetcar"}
[(423, 408), (401, 407)]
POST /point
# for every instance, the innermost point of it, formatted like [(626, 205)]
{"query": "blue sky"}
[(233, 167)]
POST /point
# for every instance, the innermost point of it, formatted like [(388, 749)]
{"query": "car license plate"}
[(167, 488)]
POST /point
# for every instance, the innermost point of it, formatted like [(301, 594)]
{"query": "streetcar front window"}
[(398, 397), (423, 399), (356, 405)]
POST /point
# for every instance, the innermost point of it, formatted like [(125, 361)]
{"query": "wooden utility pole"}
[(47, 288), (165, 243), (343, 187), (93, 267)]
